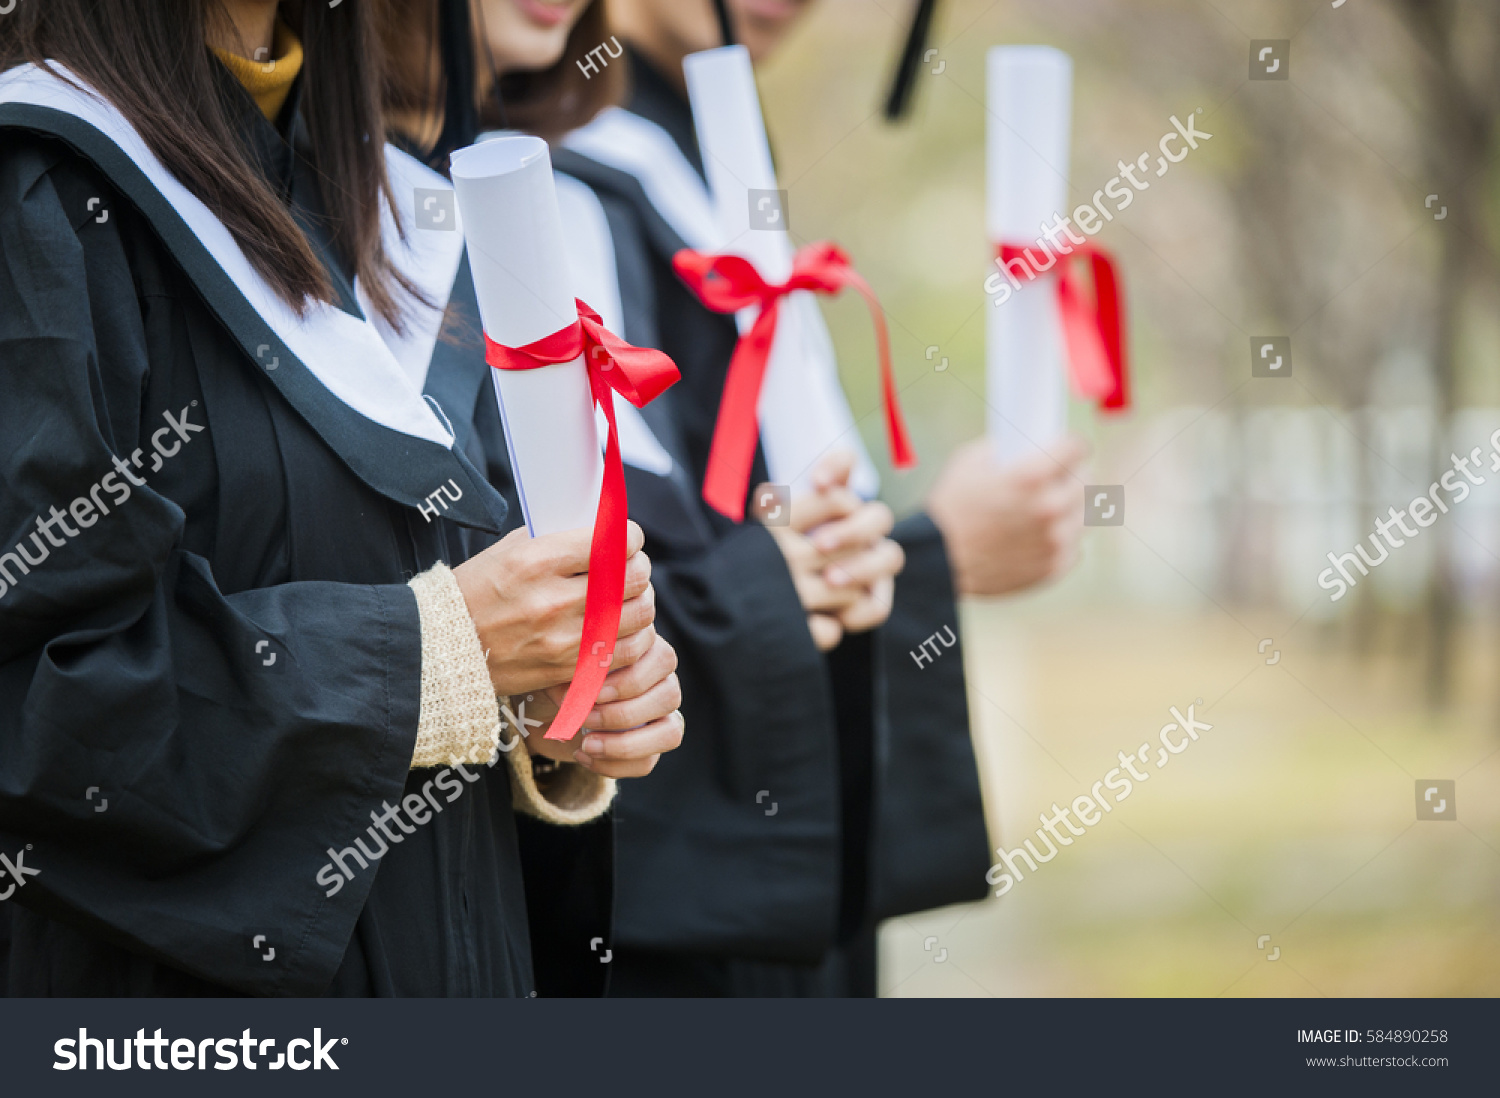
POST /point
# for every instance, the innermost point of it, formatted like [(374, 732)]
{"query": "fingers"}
[(637, 575), (1061, 502), (637, 613), (870, 523), (872, 611), (826, 631), (632, 753), (630, 650), (804, 565), (834, 470), (641, 676), (1059, 465), (654, 704), (884, 560), (563, 554), (1064, 533), (639, 663), (567, 553), (634, 769), (815, 508), (1069, 452), (816, 594)]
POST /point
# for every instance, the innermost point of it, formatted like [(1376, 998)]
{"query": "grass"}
[(1293, 817)]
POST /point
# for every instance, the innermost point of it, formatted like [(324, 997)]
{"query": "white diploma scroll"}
[(508, 208), (803, 412), (1029, 99)]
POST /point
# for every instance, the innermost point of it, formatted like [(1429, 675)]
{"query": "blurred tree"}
[(1460, 89), (1279, 278)]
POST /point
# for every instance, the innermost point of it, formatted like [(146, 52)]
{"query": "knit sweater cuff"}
[(569, 795), (460, 718)]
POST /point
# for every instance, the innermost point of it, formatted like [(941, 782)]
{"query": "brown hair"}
[(552, 102), (548, 102), (151, 60)]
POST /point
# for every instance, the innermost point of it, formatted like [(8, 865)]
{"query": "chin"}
[(529, 35), (769, 17), (762, 24), (533, 51)]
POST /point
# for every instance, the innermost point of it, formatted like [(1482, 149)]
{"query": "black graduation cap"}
[(904, 84)]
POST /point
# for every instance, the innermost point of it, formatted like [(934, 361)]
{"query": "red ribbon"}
[(1093, 330), (639, 375), (729, 283)]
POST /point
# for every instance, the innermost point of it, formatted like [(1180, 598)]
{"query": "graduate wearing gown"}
[(717, 895), (248, 739), (910, 825), (709, 872), (912, 828)]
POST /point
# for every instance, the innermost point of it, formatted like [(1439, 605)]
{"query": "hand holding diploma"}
[(526, 596), (1043, 327), (635, 718), (839, 553), (554, 363), (1009, 526)]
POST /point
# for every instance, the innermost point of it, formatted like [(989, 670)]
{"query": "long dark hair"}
[(151, 60), (548, 103)]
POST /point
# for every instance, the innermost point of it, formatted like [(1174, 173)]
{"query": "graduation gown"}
[(214, 685), (912, 822), (706, 868)]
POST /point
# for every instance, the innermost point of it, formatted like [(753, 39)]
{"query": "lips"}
[(773, 10), (545, 13)]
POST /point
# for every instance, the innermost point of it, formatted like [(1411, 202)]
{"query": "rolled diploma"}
[(507, 205), (1030, 93), (803, 411)]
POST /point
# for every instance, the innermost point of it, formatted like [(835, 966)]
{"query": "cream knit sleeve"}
[(460, 719), (568, 794)]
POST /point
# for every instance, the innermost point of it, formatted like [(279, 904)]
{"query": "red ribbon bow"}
[(729, 283), (640, 375), (1093, 330)]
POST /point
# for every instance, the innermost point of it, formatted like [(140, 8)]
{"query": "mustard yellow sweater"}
[(269, 80)]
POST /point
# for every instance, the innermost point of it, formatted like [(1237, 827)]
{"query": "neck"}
[(251, 27), (660, 42), (667, 62)]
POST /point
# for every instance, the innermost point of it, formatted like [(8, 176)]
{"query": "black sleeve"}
[(931, 846), (4, 949), (128, 677), (732, 845)]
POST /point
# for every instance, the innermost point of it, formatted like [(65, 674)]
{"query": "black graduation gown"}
[(133, 661), (703, 873), (912, 822)]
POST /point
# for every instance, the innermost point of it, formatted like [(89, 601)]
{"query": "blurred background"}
[(1307, 215)]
